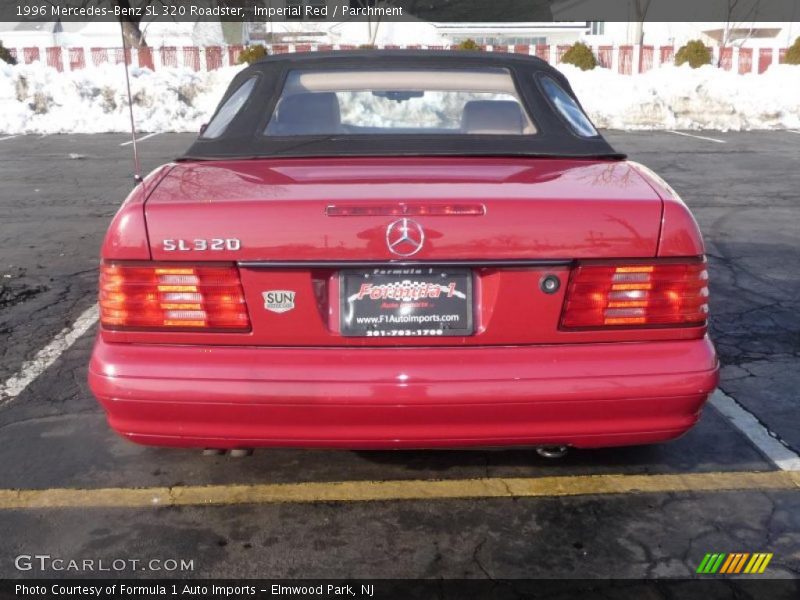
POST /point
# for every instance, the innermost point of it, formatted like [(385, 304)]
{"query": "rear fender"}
[(126, 238), (679, 235)]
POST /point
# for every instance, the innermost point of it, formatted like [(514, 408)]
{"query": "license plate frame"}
[(407, 301)]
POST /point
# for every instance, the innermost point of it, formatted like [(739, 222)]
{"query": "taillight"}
[(170, 296), (637, 295)]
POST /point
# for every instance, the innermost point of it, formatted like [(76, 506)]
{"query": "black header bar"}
[(701, 588), (739, 13)]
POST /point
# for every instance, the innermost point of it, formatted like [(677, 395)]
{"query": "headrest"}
[(309, 113), (492, 116)]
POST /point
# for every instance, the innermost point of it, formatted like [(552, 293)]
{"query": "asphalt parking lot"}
[(575, 517)]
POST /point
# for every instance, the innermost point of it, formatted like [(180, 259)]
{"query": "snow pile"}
[(684, 98), (37, 99), (434, 110)]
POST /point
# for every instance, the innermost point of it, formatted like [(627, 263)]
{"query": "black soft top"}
[(244, 137)]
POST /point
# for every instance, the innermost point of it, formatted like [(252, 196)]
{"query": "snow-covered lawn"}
[(38, 99)]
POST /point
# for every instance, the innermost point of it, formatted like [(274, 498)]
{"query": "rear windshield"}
[(392, 102), (229, 110)]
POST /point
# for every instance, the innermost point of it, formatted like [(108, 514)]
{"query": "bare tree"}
[(640, 8), (132, 26), (732, 27)]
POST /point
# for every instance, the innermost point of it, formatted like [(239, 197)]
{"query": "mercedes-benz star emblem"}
[(405, 237)]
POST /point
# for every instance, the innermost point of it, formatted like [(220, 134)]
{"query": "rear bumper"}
[(586, 395)]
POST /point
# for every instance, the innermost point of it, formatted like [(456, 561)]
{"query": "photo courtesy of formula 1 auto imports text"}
[(400, 299)]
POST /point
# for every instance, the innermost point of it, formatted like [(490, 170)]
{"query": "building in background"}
[(745, 35), (499, 34), (354, 33)]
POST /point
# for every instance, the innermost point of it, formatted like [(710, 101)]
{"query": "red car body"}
[(293, 379)]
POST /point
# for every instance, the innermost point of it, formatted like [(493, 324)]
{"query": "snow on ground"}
[(37, 99), (684, 98)]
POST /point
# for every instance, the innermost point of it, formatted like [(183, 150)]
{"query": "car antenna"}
[(137, 169)]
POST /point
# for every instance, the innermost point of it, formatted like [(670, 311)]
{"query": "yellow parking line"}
[(418, 489)]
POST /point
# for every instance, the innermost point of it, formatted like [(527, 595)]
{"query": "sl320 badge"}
[(201, 245), (278, 301)]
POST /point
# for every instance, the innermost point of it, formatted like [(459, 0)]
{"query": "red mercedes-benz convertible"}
[(402, 250)]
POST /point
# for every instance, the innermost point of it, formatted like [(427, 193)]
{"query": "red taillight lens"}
[(637, 295), (169, 296)]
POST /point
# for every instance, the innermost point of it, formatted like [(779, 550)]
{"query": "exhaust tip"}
[(213, 452), (552, 451), (241, 452)]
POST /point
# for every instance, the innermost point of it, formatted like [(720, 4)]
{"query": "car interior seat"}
[(492, 116), (308, 113)]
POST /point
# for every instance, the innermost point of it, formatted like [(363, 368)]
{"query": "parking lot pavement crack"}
[(172, 496), (476, 559), (687, 558), (509, 491), (769, 521), (13, 293), (50, 417)]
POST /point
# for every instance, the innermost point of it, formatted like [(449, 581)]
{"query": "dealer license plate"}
[(406, 301)]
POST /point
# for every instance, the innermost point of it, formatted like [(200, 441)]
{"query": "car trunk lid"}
[(279, 209)]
